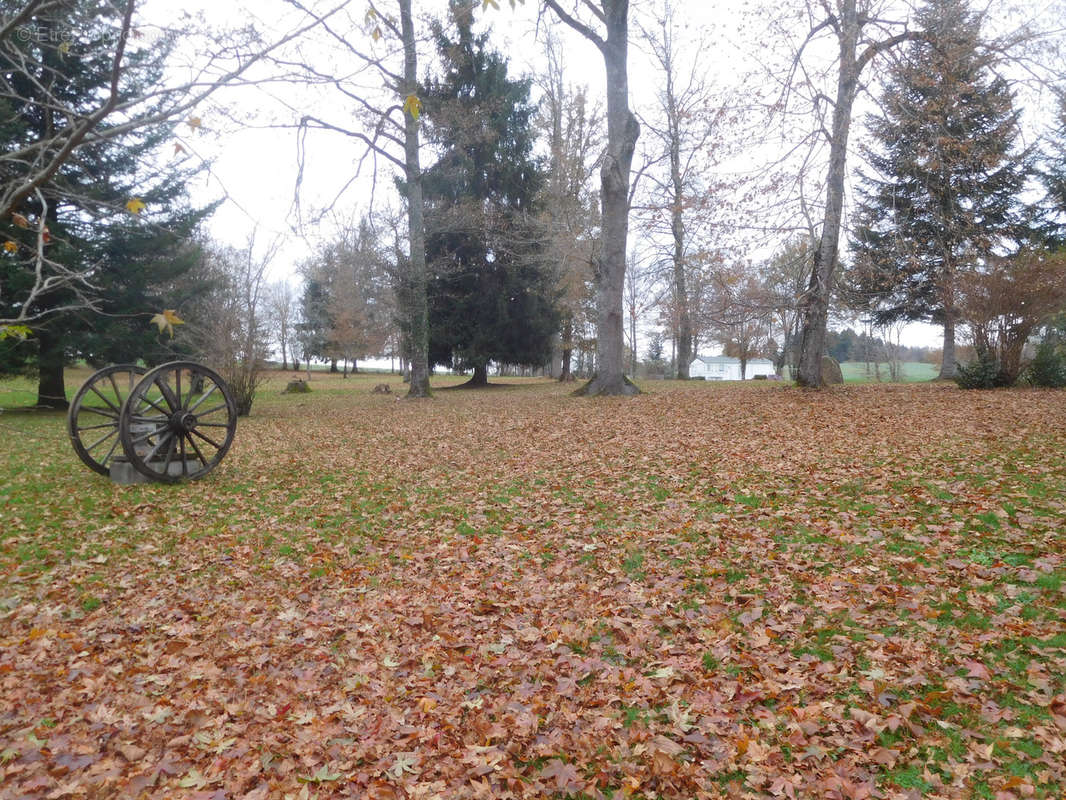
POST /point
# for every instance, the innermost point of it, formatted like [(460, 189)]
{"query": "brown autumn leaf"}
[(526, 595), (564, 777)]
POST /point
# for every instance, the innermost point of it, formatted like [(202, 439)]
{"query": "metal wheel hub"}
[(182, 422)]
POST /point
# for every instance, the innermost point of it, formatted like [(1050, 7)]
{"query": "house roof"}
[(730, 360)]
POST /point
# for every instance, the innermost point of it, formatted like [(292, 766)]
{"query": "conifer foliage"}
[(943, 192), (1054, 174), (491, 296), (110, 213)]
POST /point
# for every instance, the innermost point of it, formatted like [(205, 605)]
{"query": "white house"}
[(724, 368)]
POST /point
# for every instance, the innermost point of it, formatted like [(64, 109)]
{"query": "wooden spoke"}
[(178, 448), (102, 439), (203, 397), (110, 386)]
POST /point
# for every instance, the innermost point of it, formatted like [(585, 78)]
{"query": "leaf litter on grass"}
[(699, 592)]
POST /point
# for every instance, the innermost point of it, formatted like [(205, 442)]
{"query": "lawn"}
[(705, 591), (857, 371)]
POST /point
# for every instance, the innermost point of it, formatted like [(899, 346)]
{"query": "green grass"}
[(913, 371), (761, 572)]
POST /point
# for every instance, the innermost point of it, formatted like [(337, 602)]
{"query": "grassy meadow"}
[(913, 371), (709, 590)]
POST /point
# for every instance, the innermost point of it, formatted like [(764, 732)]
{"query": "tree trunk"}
[(633, 333), (610, 267), (820, 288), (480, 376), (51, 391), (333, 366), (677, 228), (949, 361), (568, 347), (418, 312), (782, 356)]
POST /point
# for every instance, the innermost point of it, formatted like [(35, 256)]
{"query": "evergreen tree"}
[(491, 296), (1055, 175), (131, 258), (947, 178), (316, 321)]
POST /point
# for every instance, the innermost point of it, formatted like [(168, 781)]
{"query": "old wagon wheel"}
[(92, 420), (178, 422)]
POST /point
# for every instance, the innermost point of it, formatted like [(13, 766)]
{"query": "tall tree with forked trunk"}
[(610, 33)]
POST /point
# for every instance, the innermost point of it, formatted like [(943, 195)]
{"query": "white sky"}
[(256, 168)]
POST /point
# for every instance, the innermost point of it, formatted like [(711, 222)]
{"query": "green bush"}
[(1048, 368), (983, 373)]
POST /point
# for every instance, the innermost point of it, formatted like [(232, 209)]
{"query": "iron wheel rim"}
[(171, 429)]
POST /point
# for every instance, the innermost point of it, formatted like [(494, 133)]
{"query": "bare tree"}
[(572, 126), (785, 279), (26, 77), (229, 328), (281, 306), (862, 30), (359, 303), (390, 131), (687, 143), (643, 291), (609, 31), (740, 314), (892, 337)]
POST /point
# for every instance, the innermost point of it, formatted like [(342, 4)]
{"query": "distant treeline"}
[(847, 345)]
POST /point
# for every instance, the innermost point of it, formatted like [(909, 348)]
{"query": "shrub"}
[(1048, 367), (982, 373), (243, 382), (1004, 303)]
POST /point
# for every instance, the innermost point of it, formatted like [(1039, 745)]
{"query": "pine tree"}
[(131, 258), (947, 176), (491, 296), (1054, 175)]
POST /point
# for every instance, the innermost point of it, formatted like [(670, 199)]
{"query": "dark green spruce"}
[(136, 264), (1054, 175), (491, 296)]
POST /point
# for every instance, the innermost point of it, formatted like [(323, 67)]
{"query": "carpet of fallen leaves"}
[(704, 591)]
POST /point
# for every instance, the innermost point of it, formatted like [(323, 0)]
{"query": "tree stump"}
[(297, 387)]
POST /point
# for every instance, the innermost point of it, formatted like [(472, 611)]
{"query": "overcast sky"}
[(255, 167)]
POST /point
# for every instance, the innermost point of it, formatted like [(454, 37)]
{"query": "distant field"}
[(856, 372)]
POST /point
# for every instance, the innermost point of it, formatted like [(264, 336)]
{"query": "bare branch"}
[(362, 137), (577, 24)]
